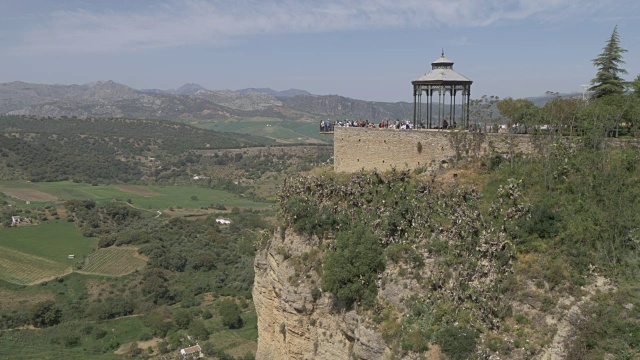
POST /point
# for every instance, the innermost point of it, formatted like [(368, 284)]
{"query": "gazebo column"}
[(427, 108), (430, 107), (415, 103), (440, 97), (419, 103), (464, 108), (468, 105), (451, 102), (453, 117)]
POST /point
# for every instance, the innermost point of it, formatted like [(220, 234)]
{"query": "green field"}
[(143, 197), (53, 342), (50, 343), (113, 261), (284, 131), (34, 253)]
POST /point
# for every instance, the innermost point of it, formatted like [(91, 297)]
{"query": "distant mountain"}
[(155, 91), (340, 106), (186, 89), (285, 93), (19, 95), (110, 99), (541, 100), (241, 101)]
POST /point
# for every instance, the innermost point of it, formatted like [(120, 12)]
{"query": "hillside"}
[(89, 150), (339, 106), (191, 101), (283, 93), (533, 257)]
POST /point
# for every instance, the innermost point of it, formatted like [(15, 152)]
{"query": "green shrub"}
[(44, 314), (206, 315), (404, 252), (182, 318), (350, 272), (495, 344), (316, 294), (230, 313), (99, 333), (458, 342), (543, 222)]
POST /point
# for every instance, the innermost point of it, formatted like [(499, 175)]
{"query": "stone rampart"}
[(372, 148)]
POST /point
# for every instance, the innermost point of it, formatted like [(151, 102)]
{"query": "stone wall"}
[(364, 148)]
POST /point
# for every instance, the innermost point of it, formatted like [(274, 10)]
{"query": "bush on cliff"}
[(351, 270)]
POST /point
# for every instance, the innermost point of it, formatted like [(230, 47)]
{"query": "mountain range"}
[(111, 99), (190, 101)]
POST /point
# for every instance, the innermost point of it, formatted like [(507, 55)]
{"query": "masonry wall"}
[(363, 148)]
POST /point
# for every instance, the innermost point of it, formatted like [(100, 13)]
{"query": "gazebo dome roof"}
[(442, 61), (442, 73)]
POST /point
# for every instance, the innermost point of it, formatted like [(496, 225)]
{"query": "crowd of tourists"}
[(327, 125)]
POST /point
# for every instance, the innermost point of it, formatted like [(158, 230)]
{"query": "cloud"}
[(215, 22)]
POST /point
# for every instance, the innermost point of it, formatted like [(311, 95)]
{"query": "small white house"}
[(194, 351), (223, 221)]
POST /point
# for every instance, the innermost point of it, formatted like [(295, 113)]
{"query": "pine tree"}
[(635, 86), (607, 80)]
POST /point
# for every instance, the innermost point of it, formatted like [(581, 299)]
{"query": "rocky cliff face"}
[(452, 284), (294, 325), (298, 320)]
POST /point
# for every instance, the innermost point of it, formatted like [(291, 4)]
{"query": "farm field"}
[(113, 261), (241, 341), (150, 198), (34, 253), (280, 130), (49, 343), (93, 342)]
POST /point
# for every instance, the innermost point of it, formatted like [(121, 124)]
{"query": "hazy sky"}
[(361, 49)]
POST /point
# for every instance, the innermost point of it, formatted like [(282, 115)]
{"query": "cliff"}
[(294, 321), (399, 265), (363, 316)]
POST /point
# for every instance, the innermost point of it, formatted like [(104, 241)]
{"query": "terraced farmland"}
[(22, 268), (113, 261), (31, 254)]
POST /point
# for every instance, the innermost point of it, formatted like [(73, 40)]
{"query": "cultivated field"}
[(288, 132), (150, 198), (137, 190), (28, 194), (32, 254), (113, 261), (23, 268), (46, 343)]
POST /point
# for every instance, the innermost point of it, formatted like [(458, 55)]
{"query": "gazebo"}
[(445, 81)]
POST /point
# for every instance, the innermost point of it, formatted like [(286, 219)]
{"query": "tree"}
[(182, 318), (44, 314), (521, 113), (635, 86), (230, 313), (608, 80), (198, 330)]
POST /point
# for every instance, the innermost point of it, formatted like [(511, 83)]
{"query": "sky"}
[(368, 50)]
